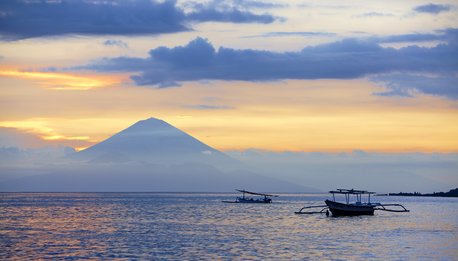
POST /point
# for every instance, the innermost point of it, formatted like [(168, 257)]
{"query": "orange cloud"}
[(62, 81), (40, 128)]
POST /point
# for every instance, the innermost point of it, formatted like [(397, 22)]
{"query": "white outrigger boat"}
[(266, 198), (351, 208)]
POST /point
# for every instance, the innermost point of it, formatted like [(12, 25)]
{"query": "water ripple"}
[(165, 226)]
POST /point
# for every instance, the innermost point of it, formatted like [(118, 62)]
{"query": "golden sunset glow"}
[(324, 116), (40, 127), (61, 81), (292, 116)]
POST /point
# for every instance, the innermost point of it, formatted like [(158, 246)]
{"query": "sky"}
[(302, 76)]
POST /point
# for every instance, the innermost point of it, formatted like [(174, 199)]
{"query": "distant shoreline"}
[(451, 193)]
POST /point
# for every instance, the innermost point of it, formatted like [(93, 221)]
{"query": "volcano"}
[(155, 141)]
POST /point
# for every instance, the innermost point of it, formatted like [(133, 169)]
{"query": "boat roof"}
[(350, 191), (255, 193)]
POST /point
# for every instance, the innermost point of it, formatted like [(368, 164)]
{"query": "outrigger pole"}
[(323, 210), (382, 207)]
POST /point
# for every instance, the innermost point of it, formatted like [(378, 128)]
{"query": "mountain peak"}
[(150, 128), (152, 122), (152, 119), (151, 134)]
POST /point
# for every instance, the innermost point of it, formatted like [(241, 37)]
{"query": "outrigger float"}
[(266, 198), (351, 209)]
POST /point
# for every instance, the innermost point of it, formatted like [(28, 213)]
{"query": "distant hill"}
[(150, 155), (451, 193)]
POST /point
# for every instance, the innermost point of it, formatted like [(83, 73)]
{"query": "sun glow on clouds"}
[(62, 81), (42, 129), (325, 115)]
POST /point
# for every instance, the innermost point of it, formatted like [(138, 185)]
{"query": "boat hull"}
[(255, 201), (341, 209), (250, 201)]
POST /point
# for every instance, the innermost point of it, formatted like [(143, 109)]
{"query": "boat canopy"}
[(350, 191), (255, 193)]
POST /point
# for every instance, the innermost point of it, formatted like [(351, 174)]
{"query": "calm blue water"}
[(166, 226)]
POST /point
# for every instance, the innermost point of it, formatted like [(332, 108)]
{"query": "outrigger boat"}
[(351, 209), (266, 198)]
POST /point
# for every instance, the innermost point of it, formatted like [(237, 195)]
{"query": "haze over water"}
[(164, 226)]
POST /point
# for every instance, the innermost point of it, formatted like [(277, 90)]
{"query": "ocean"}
[(196, 226)]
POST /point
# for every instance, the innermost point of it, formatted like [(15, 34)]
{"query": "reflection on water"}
[(196, 226)]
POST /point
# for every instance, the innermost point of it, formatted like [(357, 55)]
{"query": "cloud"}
[(28, 19), (232, 15), (35, 133), (118, 43), (25, 19), (232, 4), (408, 84), (229, 11), (52, 79), (375, 14), (432, 8), (258, 4), (11, 137), (123, 63), (209, 107), (411, 38), (449, 35), (303, 34), (345, 59)]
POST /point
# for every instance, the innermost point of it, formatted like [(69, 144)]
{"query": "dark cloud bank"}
[(28, 19), (432, 8), (401, 70)]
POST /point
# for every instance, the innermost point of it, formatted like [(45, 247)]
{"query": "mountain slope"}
[(155, 141)]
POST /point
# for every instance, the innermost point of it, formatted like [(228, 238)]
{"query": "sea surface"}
[(192, 226)]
